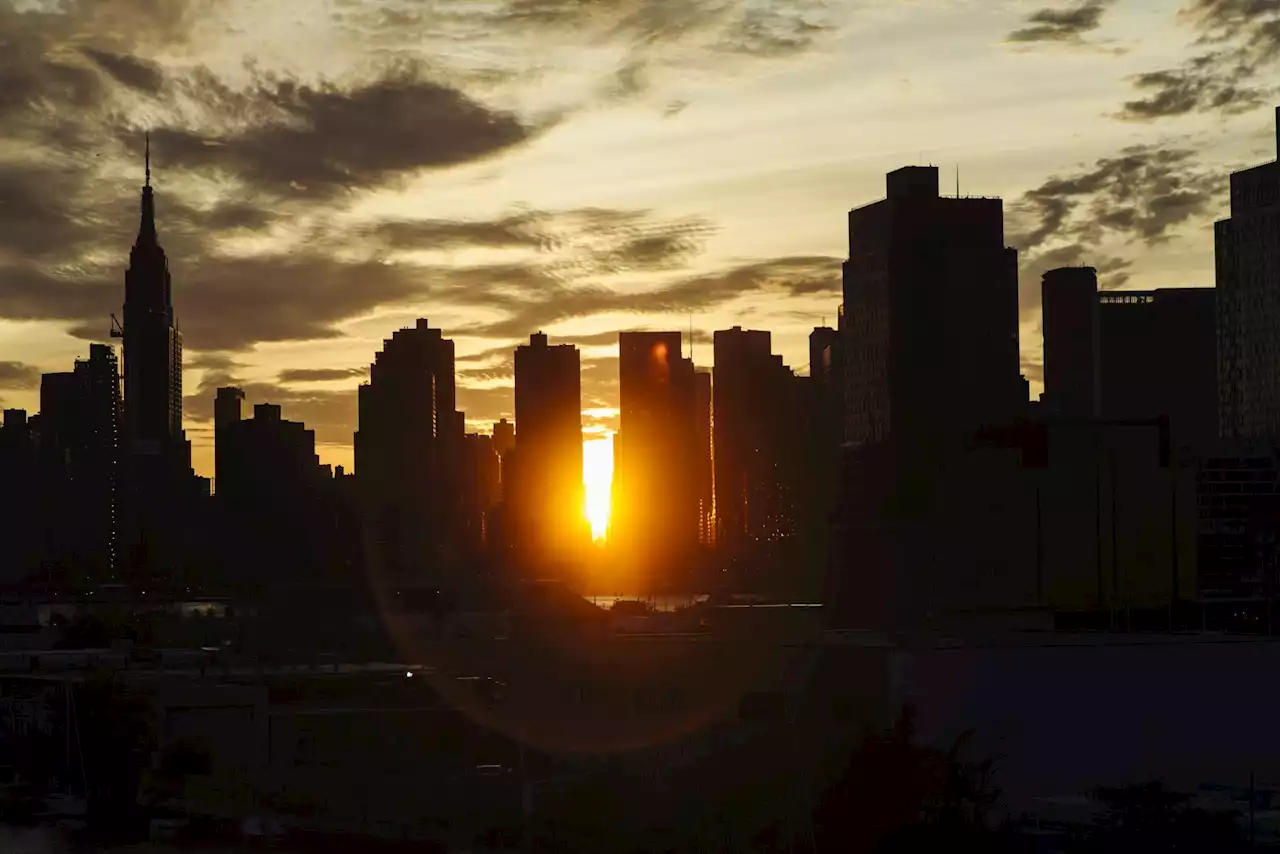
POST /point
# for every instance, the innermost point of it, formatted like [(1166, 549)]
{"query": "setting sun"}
[(597, 477)]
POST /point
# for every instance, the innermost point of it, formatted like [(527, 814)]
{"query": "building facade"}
[(1072, 357), (1247, 248), (654, 521), (407, 449), (930, 357), (547, 519)]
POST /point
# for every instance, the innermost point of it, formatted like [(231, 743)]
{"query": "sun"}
[(597, 480)]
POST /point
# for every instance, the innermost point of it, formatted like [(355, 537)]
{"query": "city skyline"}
[(670, 123)]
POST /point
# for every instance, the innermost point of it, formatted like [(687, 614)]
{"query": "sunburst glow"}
[(597, 477)]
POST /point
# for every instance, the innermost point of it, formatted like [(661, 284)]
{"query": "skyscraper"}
[(1159, 359), (80, 465), (931, 315), (1069, 305), (152, 343), (227, 405), (703, 460), (407, 456), (757, 441), (654, 522), (931, 357), (273, 493), (548, 523), (1248, 279)]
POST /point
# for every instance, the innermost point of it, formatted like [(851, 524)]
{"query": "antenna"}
[(957, 180), (147, 137), (691, 336)]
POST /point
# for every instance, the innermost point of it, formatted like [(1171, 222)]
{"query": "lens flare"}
[(597, 478)]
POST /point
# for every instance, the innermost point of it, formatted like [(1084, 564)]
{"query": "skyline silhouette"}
[(493, 221)]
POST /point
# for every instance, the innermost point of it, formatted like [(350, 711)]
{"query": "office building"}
[(1248, 280), (19, 498), (228, 403), (704, 471), (80, 471), (931, 357), (1159, 359), (547, 518), (758, 442), (407, 457), (1130, 355), (1072, 358), (654, 521), (273, 494), (481, 484)]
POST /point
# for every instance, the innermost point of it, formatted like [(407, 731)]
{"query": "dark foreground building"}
[(931, 319)]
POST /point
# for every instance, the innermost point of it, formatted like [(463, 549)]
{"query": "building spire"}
[(147, 228)]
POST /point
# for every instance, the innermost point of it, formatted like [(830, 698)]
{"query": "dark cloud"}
[(789, 276), (318, 140), (1142, 196), (140, 74), (16, 375), (1069, 24), (1217, 82), (1236, 72), (317, 375)]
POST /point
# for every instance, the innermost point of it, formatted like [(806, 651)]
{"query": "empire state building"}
[(152, 343)]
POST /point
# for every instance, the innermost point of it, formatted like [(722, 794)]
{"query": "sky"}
[(327, 171)]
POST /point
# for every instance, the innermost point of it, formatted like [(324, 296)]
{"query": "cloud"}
[(140, 74), (319, 375), (317, 140), (17, 375), (1233, 75), (788, 276), (1062, 25), (1140, 196)]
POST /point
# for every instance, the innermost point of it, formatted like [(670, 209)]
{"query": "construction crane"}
[(117, 331)]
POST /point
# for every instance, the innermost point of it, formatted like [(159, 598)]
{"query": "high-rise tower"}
[(152, 343)]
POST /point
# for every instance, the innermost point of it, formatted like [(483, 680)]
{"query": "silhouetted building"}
[(80, 468), (654, 521), (20, 518), (481, 485), (1130, 355), (931, 356), (278, 503), (160, 489), (1238, 500), (504, 439), (1072, 355), (703, 445), (227, 405), (152, 343), (548, 524), (758, 441), (407, 457), (1159, 359), (1248, 279), (825, 411)]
